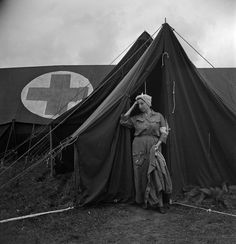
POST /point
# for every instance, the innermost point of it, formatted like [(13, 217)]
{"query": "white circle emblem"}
[(51, 94)]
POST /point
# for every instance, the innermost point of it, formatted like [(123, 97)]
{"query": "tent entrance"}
[(155, 86)]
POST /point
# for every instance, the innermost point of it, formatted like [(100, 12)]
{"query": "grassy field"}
[(107, 223), (122, 223)]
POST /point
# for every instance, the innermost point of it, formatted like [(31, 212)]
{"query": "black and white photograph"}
[(118, 121)]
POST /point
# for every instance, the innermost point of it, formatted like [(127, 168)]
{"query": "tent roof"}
[(13, 81)]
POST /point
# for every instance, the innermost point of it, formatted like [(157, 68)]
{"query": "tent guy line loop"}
[(162, 58), (208, 210)]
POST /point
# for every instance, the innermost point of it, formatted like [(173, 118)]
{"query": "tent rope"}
[(47, 155), (122, 52), (208, 210), (38, 132), (230, 81), (173, 93), (22, 173), (131, 45), (10, 166), (193, 48)]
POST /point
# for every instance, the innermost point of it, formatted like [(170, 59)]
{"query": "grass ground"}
[(107, 223)]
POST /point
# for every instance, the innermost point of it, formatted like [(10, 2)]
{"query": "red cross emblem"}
[(51, 94)]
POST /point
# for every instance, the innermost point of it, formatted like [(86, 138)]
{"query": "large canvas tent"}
[(201, 147)]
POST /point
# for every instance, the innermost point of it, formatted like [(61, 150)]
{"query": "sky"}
[(82, 32)]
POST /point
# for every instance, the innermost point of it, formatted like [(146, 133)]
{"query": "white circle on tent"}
[(51, 94)]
